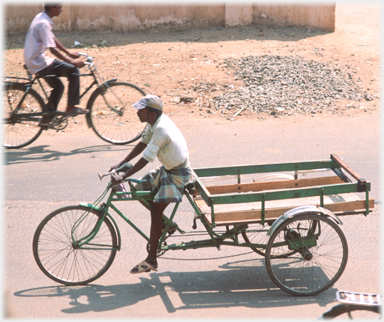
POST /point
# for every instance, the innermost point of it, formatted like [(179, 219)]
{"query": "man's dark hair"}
[(47, 6), (155, 110)]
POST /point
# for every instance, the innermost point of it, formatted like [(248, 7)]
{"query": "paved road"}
[(61, 169)]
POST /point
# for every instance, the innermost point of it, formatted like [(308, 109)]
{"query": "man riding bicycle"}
[(161, 139), (39, 38)]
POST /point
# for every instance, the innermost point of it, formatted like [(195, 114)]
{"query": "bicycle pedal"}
[(358, 298), (45, 126), (170, 230)]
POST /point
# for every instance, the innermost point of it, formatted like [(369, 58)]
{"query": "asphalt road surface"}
[(61, 169)]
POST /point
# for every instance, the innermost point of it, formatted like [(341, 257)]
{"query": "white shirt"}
[(166, 142), (39, 38)]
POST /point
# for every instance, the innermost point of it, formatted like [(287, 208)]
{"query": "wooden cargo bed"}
[(257, 202), (230, 214)]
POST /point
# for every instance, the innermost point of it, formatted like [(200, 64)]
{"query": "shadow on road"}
[(43, 153), (246, 284)]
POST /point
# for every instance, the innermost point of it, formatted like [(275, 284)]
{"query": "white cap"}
[(150, 101)]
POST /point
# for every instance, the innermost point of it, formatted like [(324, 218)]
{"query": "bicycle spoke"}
[(318, 261), (18, 133), (112, 116)]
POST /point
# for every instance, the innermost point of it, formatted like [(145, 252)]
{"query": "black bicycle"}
[(111, 115), (355, 305)]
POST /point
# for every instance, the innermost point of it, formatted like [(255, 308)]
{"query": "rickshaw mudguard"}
[(91, 206), (301, 210)]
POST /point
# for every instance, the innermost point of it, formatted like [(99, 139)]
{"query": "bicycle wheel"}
[(58, 257), (18, 133), (352, 311), (256, 234), (112, 116), (320, 257)]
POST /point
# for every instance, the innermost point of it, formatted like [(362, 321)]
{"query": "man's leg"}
[(155, 233), (63, 69), (56, 85)]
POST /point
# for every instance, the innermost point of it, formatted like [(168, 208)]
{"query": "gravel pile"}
[(285, 85)]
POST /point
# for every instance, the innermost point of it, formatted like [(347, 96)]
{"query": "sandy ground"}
[(171, 64)]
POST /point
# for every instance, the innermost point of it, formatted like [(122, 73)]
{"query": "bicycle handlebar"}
[(89, 58), (101, 176)]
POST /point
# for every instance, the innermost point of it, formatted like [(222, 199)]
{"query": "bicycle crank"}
[(59, 123)]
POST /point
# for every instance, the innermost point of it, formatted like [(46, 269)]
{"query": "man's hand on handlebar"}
[(74, 55), (78, 63), (116, 178), (114, 167)]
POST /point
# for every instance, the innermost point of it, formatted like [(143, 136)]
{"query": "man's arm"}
[(58, 54), (140, 147), (117, 178), (136, 168)]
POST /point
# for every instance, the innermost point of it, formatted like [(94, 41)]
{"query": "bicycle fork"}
[(77, 244)]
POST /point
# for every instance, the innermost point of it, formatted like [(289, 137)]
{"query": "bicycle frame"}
[(215, 239), (32, 80)]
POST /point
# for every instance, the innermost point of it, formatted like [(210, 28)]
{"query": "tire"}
[(352, 311), (59, 260), (105, 105), (318, 261), (18, 134), (256, 234)]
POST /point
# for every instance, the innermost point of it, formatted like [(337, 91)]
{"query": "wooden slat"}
[(254, 215), (276, 212), (282, 184), (342, 164)]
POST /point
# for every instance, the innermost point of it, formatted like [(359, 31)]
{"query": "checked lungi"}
[(169, 184)]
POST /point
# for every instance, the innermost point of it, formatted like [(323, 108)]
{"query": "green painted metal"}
[(367, 201), (202, 191), (216, 239), (129, 222), (263, 209), (264, 168), (285, 194)]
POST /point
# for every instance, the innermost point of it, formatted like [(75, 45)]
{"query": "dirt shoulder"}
[(171, 64)]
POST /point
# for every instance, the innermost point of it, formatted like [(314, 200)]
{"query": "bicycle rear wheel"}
[(60, 259), (17, 132), (112, 116), (320, 257)]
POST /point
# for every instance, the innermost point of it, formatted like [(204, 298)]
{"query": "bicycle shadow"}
[(244, 285), (43, 153)]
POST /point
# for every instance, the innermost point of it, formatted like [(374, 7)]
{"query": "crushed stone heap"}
[(286, 85)]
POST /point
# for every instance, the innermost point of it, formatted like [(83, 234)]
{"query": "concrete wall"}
[(133, 17), (317, 16)]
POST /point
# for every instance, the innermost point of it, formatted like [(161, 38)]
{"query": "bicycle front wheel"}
[(112, 116), (19, 132), (319, 258), (56, 249)]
